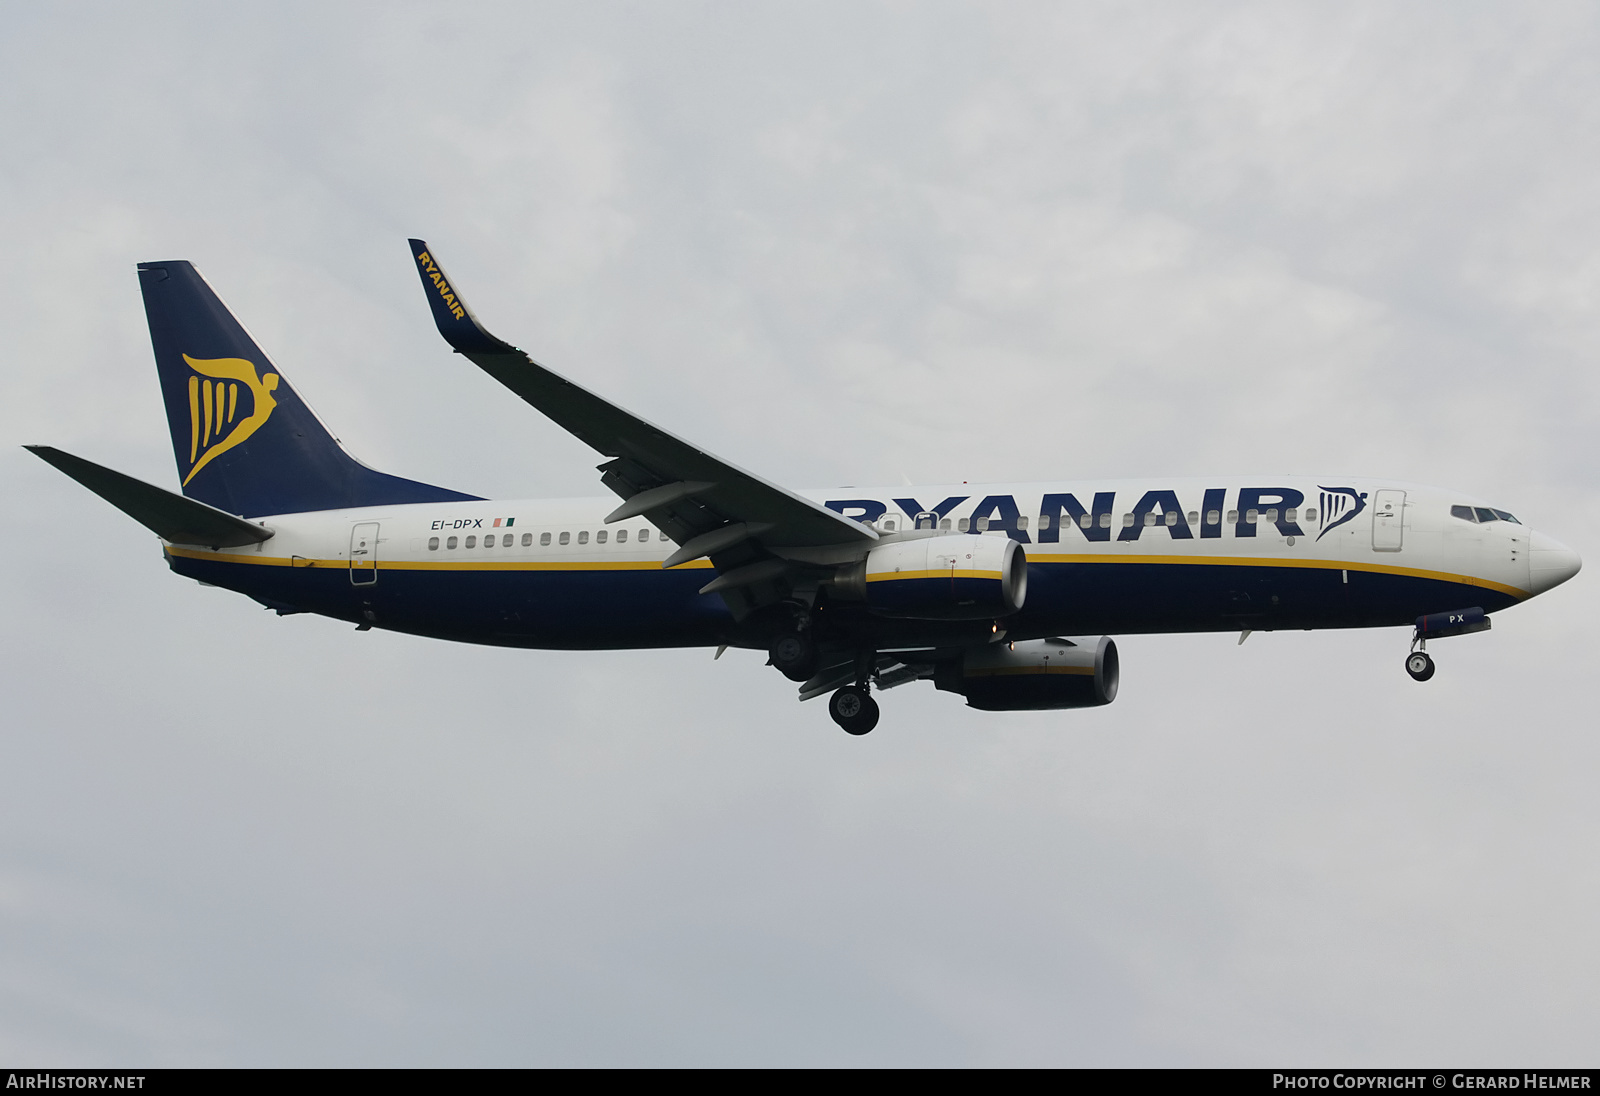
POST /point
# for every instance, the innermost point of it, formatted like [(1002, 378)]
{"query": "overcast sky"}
[(835, 244)]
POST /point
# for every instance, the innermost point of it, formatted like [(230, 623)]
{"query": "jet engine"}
[(1035, 675), (960, 577)]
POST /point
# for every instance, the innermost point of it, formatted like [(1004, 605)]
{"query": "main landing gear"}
[(794, 651), (853, 708)]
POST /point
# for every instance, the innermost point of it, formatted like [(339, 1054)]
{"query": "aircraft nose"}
[(1552, 563)]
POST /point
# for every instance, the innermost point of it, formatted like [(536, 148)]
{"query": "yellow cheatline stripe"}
[(429, 565), (1008, 671), (888, 576), (1304, 564)]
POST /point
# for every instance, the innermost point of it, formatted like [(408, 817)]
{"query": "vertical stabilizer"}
[(244, 440)]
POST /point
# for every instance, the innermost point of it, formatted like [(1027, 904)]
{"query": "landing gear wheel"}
[(1419, 665), (853, 708), (795, 655)]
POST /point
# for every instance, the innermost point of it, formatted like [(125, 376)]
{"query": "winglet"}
[(455, 320)]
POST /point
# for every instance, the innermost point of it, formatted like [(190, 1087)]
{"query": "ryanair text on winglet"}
[(445, 292)]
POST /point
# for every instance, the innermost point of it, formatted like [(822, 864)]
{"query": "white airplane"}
[(1004, 593)]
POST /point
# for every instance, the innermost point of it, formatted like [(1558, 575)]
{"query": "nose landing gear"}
[(1457, 622)]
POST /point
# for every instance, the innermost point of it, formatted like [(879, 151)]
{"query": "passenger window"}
[(1292, 514), (472, 542), (1105, 521), (566, 538), (888, 526), (983, 525), (451, 543), (1251, 517), (1214, 516), (1311, 515), (583, 536), (1194, 517), (544, 540), (1127, 521), (600, 537), (962, 525), (1149, 518), (945, 525), (1463, 512), (1272, 515), (433, 544), (1022, 523), (488, 541), (644, 536), (622, 536), (1172, 518), (1484, 514)]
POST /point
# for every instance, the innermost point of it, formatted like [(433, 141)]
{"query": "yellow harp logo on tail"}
[(214, 422)]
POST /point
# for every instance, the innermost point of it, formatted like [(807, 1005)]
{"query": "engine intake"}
[(962, 577), (1035, 675)]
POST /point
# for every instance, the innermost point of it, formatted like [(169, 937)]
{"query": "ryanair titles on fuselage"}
[(1097, 520)]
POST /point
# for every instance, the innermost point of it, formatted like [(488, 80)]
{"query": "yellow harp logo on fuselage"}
[(214, 423)]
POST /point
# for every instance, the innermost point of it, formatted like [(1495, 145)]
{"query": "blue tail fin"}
[(244, 441)]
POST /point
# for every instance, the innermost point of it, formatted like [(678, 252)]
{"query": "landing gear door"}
[(1388, 520), (364, 554)]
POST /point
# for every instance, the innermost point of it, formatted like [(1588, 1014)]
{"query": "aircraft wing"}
[(710, 507)]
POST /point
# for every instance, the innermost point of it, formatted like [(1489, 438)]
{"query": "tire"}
[(1419, 664), (853, 708), (795, 655)]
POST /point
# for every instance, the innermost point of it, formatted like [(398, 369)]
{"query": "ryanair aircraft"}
[(1003, 593)]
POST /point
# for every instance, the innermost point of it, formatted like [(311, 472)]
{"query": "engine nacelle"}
[(959, 577), (1035, 674)]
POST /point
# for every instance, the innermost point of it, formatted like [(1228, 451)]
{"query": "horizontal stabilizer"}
[(172, 517)]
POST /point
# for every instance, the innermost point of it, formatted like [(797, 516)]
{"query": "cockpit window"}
[(1483, 514)]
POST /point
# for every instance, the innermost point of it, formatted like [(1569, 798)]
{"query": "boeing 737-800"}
[(1006, 593)]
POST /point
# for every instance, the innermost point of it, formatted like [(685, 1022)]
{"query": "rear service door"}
[(364, 554), (1388, 520)]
